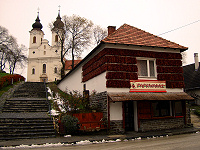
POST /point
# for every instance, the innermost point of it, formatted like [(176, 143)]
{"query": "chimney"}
[(196, 60), (111, 29)]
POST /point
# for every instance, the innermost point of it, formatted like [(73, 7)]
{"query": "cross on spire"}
[(59, 9), (38, 11)]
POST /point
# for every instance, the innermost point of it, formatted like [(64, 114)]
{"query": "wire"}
[(179, 27)]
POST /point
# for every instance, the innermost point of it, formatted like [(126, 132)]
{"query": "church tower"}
[(44, 60)]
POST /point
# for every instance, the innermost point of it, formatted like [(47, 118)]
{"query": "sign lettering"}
[(147, 86)]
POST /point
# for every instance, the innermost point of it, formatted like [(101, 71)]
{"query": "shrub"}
[(197, 111), (7, 80), (70, 123)]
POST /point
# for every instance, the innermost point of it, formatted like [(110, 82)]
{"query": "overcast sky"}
[(154, 16)]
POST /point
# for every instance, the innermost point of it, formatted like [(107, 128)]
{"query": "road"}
[(177, 142)]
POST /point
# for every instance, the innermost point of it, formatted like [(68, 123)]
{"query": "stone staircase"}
[(24, 116)]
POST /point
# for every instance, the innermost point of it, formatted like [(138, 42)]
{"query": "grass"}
[(5, 89), (3, 74)]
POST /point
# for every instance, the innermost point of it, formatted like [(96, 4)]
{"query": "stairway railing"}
[(47, 98)]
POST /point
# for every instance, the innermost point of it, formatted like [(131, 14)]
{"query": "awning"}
[(119, 97)]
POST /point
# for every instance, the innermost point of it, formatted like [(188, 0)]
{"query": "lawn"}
[(3, 74), (5, 89)]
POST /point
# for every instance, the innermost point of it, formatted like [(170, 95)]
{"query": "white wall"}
[(97, 83), (116, 111), (73, 81)]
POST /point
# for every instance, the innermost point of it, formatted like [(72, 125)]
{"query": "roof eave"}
[(183, 49)]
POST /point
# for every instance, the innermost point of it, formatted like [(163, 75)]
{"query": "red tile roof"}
[(127, 34), (68, 64)]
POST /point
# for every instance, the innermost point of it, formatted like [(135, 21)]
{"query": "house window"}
[(34, 39), (161, 108), (55, 70), (44, 52), (44, 68), (56, 38), (33, 71), (146, 68)]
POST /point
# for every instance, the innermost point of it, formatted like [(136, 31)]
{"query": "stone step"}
[(10, 136), (20, 127), (25, 115), (27, 137), (18, 111), (26, 106), (27, 130), (25, 102)]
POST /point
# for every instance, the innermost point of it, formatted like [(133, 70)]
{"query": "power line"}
[(180, 27)]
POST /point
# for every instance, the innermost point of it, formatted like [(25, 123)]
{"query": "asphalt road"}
[(178, 142)]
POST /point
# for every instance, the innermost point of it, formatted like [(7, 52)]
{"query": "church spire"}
[(37, 24), (58, 24)]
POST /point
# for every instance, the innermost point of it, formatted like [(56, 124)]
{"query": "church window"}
[(56, 51), (34, 39), (44, 52), (44, 68), (56, 38), (33, 71), (44, 46), (55, 70), (33, 52)]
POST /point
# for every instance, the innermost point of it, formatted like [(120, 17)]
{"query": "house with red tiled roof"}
[(68, 65), (138, 79)]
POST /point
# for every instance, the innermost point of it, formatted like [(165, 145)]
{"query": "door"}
[(129, 115)]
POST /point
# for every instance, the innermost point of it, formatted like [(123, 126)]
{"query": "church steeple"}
[(37, 25), (58, 24)]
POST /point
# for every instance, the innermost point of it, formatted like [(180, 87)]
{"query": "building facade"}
[(44, 61), (191, 75), (138, 78)]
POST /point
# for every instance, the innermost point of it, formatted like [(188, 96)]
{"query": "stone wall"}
[(161, 124), (116, 127), (99, 102)]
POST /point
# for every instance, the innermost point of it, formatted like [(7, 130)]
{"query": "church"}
[(44, 61)]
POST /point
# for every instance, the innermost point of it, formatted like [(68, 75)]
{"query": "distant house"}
[(138, 78), (68, 65), (192, 79)]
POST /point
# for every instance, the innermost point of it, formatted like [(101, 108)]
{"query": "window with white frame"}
[(146, 67)]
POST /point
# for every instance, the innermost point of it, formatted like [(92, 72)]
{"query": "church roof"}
[(37, 24), (130, 35)]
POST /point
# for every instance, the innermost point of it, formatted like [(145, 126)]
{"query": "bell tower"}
[(44, 60), (57, 30), (36, 34)]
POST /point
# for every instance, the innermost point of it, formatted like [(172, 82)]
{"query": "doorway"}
[(129, 115)]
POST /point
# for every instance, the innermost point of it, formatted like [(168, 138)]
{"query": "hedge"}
[(7, 80)]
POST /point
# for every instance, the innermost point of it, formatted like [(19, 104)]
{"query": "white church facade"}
[(44, 61)]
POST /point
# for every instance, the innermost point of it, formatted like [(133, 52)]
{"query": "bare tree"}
[(74, 35), (99, 34), (78, 35), (17, 57), (10, 52), (4, 41)]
